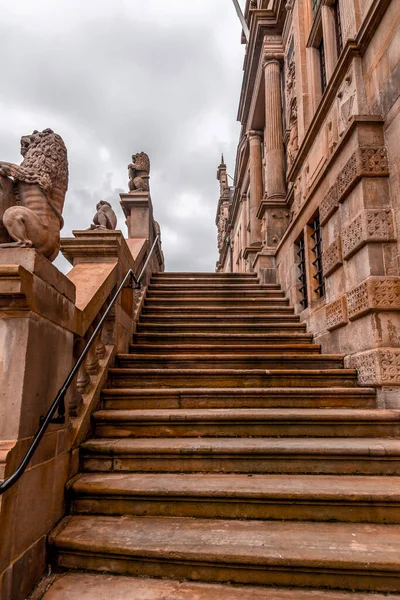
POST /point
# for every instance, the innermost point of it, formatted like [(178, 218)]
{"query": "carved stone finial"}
[(139, 173), (34, 193), (105, 217)]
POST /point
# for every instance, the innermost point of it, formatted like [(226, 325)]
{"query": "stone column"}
[(275, 182), (256, 186)]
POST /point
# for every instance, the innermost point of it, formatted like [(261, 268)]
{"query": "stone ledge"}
[(372, 225)]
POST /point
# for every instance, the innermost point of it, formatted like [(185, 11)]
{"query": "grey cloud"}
[(113, 84)]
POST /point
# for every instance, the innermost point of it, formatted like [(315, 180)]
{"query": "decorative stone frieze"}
[(375, 293), (336, 314), (368, 226), (365, 162), (332, 257), (380, 367), (329, 204)]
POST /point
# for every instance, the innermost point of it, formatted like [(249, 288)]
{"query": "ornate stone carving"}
[(375, 293), (139, 173), (222, 224), (293, 144), (332, 257), (377, 367), (347, 102), (365, 162), (38, 192), (105, 217), (336, 314), (329, 204), (347, 175), (368, 226), (291, 103), (277, 222)]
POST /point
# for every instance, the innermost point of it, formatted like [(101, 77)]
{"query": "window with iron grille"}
[(302, 271), (321, 49), (316, 249), (338, 27)]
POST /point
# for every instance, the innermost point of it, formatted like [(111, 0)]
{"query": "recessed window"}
[(322, 61), (301, 253), (338, 27), (316, 249)]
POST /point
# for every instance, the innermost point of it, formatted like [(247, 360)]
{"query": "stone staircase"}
[(229, 452)]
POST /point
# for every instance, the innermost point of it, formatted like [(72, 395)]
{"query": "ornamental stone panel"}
[(332, 257), (369, 226), (329, 204), (364, 162), (336, 314), (375, 293), (380, 367)]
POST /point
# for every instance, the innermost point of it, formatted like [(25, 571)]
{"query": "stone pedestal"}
[(138, 210), (275, 182), (36, 350)]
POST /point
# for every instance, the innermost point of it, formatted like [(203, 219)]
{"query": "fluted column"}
[(256, 186), (275, 182)]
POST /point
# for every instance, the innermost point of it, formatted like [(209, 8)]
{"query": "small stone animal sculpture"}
[(105, 218), (139, 172), (34, 193)]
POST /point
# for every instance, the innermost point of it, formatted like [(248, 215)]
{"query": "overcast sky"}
[(115, 77)]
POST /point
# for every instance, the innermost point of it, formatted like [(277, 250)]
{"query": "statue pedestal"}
[(138, 210)]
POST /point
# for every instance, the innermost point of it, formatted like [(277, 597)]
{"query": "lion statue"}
[(139, 173), (35, 195)]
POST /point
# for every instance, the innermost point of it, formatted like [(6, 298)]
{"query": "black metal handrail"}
[(59, 401)]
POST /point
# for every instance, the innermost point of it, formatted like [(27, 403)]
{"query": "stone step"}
[(238, 398), (358, 456), (217, 320), (165, 378), (156, 286), (230, 361), (296, 497), (256, 422), (188, 327), (203, 338), (340, 555), (217, 301), (215, 294), (94, 586), (247, 310), (200, 274), (208, 349)]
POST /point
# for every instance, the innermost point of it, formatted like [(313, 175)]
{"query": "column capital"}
[(269, 60), (255, 134)]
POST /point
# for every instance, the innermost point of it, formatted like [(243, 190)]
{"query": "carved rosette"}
[(380, 367), (336, 314), (368, 226), (332, 257), (374, 294)]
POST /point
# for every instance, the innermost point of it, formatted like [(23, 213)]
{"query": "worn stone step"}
[(122, 398), (296, 497), (222, 319), (215, 294), (188, 327), (95, 586), (200, 274), (229, 422), (231, 378), (231, 361), (254, 349), (203, 338), (217, 301), (340, 555), (354, 456), (200, 286), (217, 311)]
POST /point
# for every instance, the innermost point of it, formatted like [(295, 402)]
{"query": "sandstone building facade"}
[(316, 198)]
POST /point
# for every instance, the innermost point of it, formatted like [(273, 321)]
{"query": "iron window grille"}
[(322, 65), (316, 236), (338, 23), (302, 272)]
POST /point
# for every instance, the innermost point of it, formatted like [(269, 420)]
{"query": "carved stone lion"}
[(36, 193), (139, 173), (105, 218)]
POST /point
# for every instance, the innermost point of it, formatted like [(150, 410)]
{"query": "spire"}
[(222, 159)]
